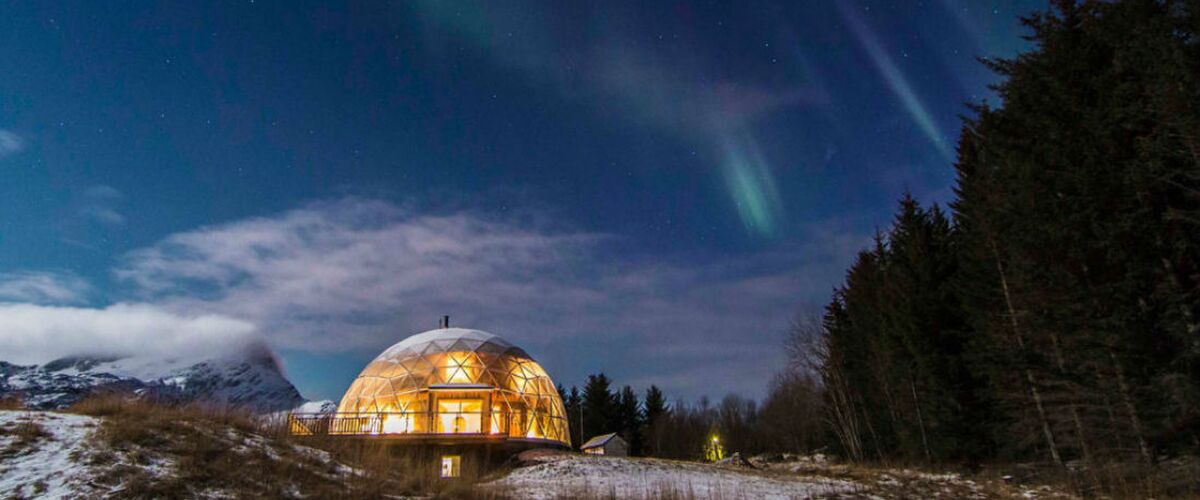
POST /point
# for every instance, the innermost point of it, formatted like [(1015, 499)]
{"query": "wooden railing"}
[(414, 423)]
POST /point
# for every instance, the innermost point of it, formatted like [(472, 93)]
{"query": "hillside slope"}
[(61, 455)]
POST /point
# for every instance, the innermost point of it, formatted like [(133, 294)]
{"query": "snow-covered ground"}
[(566, 476), (45, 466), (59, 455)]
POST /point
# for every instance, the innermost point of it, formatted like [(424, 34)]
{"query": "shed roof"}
[(600, 440)]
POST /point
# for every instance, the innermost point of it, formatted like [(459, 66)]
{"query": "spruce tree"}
[(629, 414), (656, 414), (599, 407)]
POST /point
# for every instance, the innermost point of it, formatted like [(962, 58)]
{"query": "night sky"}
[(650, 189)]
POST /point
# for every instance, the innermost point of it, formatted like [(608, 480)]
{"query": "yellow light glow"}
[(369, 426), (450, 465), (460, 416), (459, 371), (534, 428), (397, 424)]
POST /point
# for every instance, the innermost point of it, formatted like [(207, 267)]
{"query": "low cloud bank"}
[(35, 334)]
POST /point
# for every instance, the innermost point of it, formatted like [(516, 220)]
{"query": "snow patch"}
[(48, 467), (584, 475)]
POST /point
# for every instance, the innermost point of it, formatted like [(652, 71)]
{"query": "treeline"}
[(786, 421), (1054, 314)]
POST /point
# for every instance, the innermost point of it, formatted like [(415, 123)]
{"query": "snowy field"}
[(33, 464), (58, 455), (567, 476)]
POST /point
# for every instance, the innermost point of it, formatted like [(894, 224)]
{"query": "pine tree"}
[(573, 402), (599, 407), (656, 414), (629, 414)]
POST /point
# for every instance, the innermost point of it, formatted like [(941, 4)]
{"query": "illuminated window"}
[(397, 423), (460, 416), (450, 465), (459, 369)]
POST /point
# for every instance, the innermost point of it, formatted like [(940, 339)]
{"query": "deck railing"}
[(511, 424)]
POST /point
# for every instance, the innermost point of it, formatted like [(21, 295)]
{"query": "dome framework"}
[(449, 383)]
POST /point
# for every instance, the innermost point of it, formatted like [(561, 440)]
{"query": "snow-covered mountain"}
[(250, 377)]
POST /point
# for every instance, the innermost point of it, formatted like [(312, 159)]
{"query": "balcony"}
[(448, 423)]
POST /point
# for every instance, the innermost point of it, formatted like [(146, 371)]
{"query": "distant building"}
[(606, 444)]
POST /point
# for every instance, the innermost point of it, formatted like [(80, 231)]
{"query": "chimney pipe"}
[(445, 322)]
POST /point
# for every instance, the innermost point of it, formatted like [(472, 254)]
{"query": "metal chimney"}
[(445, 322)]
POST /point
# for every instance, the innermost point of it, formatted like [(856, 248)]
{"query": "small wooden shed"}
[(606, 444)]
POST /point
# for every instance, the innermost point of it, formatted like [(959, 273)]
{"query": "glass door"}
[(459, 416)]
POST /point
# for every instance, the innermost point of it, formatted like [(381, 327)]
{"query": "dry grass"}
[(1177, 478), (1170, 478), (157, 451), (11, 403), (213, 450), (25, 433), (905, 480)]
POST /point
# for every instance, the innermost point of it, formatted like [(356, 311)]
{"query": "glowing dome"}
[(454, 382)]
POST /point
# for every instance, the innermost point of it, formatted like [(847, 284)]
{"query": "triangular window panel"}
[(491, 347), (459, 346)]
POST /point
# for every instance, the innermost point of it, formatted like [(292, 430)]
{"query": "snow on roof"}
[(443, 337), (599, 441)]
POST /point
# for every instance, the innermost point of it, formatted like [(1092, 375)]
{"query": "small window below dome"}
[(451, 465)]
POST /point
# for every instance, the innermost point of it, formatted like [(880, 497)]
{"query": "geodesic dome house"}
[(449, 385)]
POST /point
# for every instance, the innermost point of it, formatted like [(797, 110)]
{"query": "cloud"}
[(34, 334), (357, 274), (10, 143), (342, 274), (43, 288), (99, 204)]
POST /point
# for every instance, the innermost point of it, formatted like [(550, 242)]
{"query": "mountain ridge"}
[(249, 378)]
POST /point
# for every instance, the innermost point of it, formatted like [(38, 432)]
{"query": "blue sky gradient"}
[(646, 189)]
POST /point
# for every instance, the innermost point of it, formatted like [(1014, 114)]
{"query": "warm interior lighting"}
[(459, 369), (535, 430), (496, 419), (397, 424), (460, 416), (450, 465)]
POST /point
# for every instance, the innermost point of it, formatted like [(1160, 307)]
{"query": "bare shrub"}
[(11, 402), (210, 449), (26, 434)]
